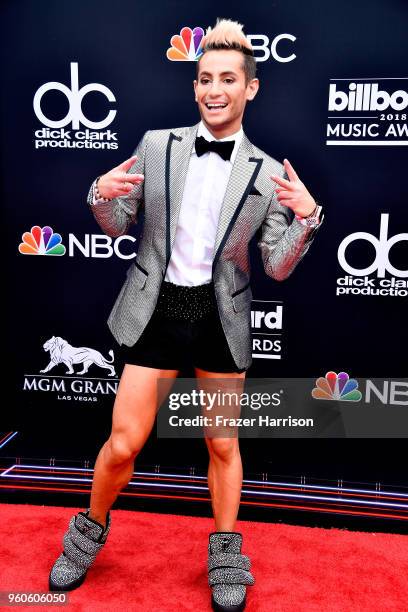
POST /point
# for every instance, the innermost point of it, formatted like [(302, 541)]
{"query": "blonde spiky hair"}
[(228, 34)]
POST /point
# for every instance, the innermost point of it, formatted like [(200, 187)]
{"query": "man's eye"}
[(228, 80)]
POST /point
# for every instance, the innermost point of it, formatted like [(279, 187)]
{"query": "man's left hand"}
[(293, 193)]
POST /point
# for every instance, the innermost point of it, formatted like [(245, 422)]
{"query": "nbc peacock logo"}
[(41, 241), (186, 46), (338, 387)]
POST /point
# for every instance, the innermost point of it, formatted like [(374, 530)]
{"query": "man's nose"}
[(215, 88)]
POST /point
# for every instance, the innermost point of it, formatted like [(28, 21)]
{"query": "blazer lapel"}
[(178, 152), (243, 176)]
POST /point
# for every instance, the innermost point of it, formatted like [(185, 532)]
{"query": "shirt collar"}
[(238, 136)]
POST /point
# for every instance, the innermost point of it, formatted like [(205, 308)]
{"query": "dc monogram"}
[(382, 247), (75, 97)]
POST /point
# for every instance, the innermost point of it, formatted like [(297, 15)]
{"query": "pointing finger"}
[(282, 182), (290, 170), (126, 165)]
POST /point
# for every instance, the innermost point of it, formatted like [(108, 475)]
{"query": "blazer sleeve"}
[(115, 216), (284, 240)]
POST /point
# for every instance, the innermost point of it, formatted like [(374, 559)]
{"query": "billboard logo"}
[(366, 97), (373, 116), (266, 327), (41, 241), (337, 387)]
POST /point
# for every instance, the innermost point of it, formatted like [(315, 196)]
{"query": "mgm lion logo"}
[(62, 352)]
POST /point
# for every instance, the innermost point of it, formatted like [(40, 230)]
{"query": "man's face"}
[(221, 91)]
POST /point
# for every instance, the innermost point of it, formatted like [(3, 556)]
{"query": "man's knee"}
[(223, 448), (121, 449)]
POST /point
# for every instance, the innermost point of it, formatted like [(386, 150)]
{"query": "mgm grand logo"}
[(76, 362)]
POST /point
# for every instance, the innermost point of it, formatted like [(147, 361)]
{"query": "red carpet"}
[(157, 563)]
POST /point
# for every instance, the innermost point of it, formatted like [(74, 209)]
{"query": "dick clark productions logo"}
[(358, 282), (54, 134)]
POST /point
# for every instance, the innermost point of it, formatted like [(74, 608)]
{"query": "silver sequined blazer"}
[(250, 203)]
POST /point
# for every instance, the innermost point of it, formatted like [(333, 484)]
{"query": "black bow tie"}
[(224, 149)]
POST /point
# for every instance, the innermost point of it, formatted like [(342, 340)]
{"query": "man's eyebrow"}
[(204, 72)]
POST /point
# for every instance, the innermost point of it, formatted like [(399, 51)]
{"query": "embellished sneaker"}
[(82, 542), (228, 572)]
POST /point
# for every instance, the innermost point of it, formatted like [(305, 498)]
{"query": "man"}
[(206, 190)]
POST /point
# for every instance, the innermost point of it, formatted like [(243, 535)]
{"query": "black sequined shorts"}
[(184, 330)]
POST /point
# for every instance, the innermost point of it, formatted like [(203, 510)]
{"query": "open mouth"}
[(215, 106)]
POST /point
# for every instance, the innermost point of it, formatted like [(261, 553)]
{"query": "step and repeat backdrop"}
[(81, 83)]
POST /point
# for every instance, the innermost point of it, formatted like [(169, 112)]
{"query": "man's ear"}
[(195, 90), (252, 89)]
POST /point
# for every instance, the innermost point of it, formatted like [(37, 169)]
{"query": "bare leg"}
[(133, 417), (224, 481), (224, 469)]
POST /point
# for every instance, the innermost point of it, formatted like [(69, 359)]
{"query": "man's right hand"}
[(117, 182)]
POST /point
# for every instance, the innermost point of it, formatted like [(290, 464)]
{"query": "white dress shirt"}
[(206, 182)]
